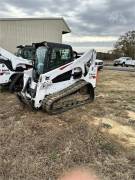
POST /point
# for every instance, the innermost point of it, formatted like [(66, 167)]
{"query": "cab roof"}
[(51, 45)]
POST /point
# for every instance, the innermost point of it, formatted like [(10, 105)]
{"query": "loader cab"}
[(26, 52), (50, 56)]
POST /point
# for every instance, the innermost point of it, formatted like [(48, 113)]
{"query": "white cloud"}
[(98, 49), (13, 12), (75, 38)]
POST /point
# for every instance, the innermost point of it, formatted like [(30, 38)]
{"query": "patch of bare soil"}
[(99, 136)]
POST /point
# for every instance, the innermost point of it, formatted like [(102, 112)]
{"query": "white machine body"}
[(45, 85)]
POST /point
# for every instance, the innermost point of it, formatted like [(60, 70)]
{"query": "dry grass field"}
[(99, 136)]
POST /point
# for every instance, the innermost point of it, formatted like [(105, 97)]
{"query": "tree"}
[(125, 46)]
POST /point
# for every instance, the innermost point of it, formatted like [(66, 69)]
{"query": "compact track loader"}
[(11, 70), (57, 82)]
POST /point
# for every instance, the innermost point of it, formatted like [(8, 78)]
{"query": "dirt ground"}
[(99, 136)]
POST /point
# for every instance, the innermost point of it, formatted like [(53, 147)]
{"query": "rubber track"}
[(49, 100)]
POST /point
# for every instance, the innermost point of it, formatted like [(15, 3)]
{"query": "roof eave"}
[(68, 29), (65, 31)]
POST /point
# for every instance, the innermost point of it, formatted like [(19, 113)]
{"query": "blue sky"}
[(94, 23)]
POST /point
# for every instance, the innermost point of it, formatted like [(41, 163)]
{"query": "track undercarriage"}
[(75, 95)]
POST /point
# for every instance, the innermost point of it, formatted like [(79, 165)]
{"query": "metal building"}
[(17, 31)]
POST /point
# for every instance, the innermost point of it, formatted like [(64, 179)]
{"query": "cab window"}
[(128, 58), (59, 57), (28, 54), (40, 59)]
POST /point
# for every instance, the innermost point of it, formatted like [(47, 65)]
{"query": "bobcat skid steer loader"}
[(11, 70), (57, 82)]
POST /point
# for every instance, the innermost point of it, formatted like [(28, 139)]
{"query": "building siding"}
[(13, 33)]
